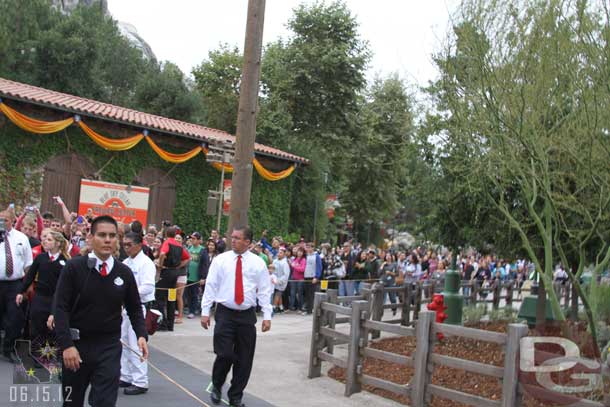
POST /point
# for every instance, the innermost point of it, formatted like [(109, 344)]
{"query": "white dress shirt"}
[(98, 264), (144, 271), (21, 252), (220, 284)]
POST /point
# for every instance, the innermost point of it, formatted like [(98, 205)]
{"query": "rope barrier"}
[(168, 378)]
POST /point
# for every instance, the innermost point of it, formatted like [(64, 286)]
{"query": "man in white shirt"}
[(236, 279), (134, 371), (15, 261)]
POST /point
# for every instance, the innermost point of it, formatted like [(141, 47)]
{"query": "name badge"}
[(118, 281)]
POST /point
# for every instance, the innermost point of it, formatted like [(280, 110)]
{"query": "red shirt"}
[(171, 240)]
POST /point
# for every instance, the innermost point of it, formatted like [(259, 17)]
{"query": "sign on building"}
[(125, 203)]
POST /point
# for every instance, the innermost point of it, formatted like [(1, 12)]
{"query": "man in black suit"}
[(90, 294)]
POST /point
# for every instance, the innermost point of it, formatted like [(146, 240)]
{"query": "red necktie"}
[(9, 257), (239, 283), (103, 270)]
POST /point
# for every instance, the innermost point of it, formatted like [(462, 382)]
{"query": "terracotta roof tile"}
[(75, 104)]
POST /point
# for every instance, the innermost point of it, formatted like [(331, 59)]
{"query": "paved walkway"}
[(279, 376)]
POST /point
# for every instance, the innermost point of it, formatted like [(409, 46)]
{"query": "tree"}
[(313, 84), (377, 174), (162, 90), (218, 80), (521, 99)]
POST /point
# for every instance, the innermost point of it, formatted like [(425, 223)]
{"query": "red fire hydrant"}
[(438, 305)]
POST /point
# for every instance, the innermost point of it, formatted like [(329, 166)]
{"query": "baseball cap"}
[(196, 235)]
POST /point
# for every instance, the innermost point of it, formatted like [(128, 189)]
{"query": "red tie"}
[(239, 283), (103, 270), (9, 258)]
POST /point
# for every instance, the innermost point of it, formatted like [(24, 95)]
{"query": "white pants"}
[(133, 370)]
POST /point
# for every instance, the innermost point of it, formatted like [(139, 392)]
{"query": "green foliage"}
[(473, 314), (218, 80), (84, 54), (599, 297), (270, 204), (163, 91), (506, 314)]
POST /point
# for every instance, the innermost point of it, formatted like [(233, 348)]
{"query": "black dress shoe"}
[(215, 395), (133, 390), (123, 384)]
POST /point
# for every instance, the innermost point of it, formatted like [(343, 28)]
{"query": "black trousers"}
[(13, 317), (100, 368), (167, 279), (310, 290), (40, 309), (234, 344)]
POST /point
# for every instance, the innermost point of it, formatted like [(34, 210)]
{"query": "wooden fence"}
[(358, 313)]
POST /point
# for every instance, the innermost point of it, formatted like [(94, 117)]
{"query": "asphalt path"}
[(171, 383)]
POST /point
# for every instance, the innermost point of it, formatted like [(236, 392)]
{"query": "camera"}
[(166, 223)]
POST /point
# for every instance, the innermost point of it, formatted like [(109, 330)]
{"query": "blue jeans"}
[(392, 296), (296, 288), (192, 292), (346, 288), (466, 294), (357, 287)]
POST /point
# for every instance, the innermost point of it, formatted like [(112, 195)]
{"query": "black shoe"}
[(236, 404), (133, 390), (123, 384), (215, 395)]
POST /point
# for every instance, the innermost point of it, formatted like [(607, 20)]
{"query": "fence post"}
[(420, 362), (405, 316), (377, 307), (354, 366), (510, 395), (418, 299), (509, 293), (497, 288), (317, 340), (332, 298), (475, 291)]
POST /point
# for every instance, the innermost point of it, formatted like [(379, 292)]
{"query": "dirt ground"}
[(483, 352)]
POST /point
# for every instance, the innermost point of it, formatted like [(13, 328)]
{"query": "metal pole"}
[(221, 195), (246, 116)]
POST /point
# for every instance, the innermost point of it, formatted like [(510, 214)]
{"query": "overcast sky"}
[(402, 34)]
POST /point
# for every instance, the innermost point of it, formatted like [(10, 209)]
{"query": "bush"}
[(473, 314)]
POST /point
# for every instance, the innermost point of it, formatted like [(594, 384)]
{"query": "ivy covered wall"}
[(24, 155)]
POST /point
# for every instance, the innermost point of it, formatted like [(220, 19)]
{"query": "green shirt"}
[(195, 252)]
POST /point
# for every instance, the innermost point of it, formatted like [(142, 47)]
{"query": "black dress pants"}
[(100, 368), (13, 317), (39, 314), (234, 344), (167, 279)]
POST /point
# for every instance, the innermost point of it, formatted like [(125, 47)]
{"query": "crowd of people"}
[(171, 270)]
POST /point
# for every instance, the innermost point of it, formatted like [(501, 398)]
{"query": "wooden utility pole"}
[(246, 117)]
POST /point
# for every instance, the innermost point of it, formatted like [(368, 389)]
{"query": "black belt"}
[(234, 310)]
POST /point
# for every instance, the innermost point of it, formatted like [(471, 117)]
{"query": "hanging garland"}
[(41, 127)]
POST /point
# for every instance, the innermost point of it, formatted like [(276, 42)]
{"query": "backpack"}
[(173, 256)]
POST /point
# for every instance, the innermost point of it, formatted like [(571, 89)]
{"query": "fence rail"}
[(420, 388)]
